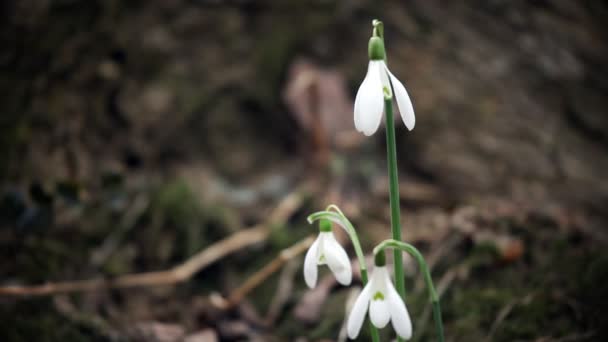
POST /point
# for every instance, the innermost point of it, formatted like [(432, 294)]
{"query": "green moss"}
[(535, 290), (177, 203), (179, 208)]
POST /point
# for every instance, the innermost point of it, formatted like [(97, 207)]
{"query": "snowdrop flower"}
[(383, 302), (327, 251), (376, 87)]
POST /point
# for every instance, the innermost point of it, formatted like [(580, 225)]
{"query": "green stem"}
[(391, 150), (438, 320), (338, 217), (399, 246)]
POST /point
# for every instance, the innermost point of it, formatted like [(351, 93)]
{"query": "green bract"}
[(324, 226), (375, 49)]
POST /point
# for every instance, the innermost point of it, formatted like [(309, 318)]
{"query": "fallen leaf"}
[(157, 332), (207, 335), (319, 101)]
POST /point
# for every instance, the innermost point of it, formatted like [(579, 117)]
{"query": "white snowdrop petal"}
[(378, 309), (357, 313), (384, 77), (337, 260), (400, 318), (310, 264), (321, 257), (369, 101), (381, 276), (403, 102), (358, 98)]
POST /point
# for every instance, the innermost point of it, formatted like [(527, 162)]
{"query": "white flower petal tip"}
[(406, 109), (378, 310), (357, 314), (400, 318), (369, 102), (337, 260), (384, 304), (327, 251), (310, 264)]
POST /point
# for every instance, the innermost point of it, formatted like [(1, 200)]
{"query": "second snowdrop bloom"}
[(376, 87), (384, 304), (327, 251)]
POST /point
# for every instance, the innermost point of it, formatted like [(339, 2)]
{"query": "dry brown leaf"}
[(207, 335), (319, 101), (329, 103), (157, 332)]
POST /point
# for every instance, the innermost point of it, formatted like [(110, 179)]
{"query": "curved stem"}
[(411, 250), (399, 246), (339, 218), (378, 28)]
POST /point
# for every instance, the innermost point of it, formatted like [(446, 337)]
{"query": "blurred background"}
[(136, 135)]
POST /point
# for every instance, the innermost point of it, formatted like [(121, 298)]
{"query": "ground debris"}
[(156, 332), (207, 335)]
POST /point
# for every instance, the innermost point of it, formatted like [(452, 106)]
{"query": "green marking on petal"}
[(387, 92), (378, 296), (322, 258)]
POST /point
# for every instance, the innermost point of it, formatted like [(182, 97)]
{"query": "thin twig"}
[(504, 312), (443, 248), (176, 274), (128, 221), (260, 276), (283, 292), (442, 286)]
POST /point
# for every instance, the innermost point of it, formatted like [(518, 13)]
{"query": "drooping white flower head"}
[(327, 251), (384, 304), (369, 102)]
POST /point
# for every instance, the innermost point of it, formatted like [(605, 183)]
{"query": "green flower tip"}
[(378, 28), (380, 258), (375, 49), (324, 226)]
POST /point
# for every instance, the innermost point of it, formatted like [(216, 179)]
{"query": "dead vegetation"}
[(158, 162)]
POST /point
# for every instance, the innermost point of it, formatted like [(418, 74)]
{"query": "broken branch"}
[(176, 274)]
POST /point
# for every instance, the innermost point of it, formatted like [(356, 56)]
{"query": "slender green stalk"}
[(399, 247), (391, 153), (391, 150), (438, 320), (338, 217)]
